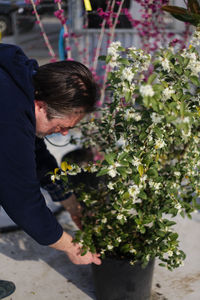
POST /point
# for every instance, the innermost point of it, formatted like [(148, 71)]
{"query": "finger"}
[(97, 261)]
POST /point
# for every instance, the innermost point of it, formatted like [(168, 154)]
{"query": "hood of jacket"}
[(19, 67)]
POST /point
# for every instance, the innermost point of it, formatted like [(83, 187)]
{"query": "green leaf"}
[(182, 109), (124, 61), (136, 179), (162, 265), (195, 80), (122, 171), (170, 223), (110, 158), (102, 172), (142, 229), (175, 9), (64, 178), (151, 78), (108, 58), (186, 18), (102, 57), (173, 236), (143, 195), (141, 170), (161, 233), (152, 173), (128, 96), (178, 69), (142, 136)]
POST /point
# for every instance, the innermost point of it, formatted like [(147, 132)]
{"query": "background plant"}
[(150, 27)]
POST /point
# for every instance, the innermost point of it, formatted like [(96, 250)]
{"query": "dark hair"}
[(65, 85)]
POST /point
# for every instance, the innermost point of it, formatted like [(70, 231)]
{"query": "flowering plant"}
[(148, 135)]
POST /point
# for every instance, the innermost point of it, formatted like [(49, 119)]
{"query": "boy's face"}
[(44, 126)]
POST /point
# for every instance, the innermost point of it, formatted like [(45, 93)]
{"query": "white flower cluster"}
[(132, 114), (141, 60), (156, 118), (195, 41), (194, 63), (134, 190), (128, 74), (165, 64), (112, 169), (167, 92), (147, 90), (114, 53), (159, 144), (155, 185)]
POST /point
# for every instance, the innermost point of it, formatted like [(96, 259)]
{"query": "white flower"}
[(167, 92), (93, 168), (137, 117), (127, 74), (113, 52), (112, 172), (104, 220), (112, 169), (125, 88), (178, 206), (136, 161), (119, 240), (146, 90), (165, 64), (170, 253), (134, 191), (177, 173), (131, 114), (110, 247), (194, 63), (159, 144), (110, 186), (86, 197), (143, 178), (112, 49), (55, 177), (121, 141), (120, 217), (133, 251), (157, 185), (156, 118), (186, 120), (148, 257)]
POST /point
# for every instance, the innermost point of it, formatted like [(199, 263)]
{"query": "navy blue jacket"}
[(20, 193)]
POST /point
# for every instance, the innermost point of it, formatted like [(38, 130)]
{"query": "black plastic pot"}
[(118, 280)]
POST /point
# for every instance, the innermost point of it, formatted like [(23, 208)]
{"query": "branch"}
[(47, 42)]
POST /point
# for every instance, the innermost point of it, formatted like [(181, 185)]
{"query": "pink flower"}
[(53, 60)]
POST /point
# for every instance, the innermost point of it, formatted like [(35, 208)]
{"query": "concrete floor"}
[(42, 273)]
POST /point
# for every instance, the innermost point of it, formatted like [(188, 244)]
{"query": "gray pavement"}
[(42, 273)]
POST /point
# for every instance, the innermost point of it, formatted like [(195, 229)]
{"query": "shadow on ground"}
[(20, 247)]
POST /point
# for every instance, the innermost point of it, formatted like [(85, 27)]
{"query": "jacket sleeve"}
[(20, 193)]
